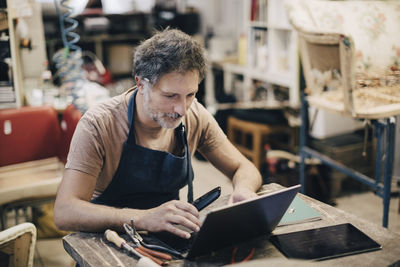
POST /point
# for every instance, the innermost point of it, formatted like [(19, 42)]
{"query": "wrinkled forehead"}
[(188, 77)]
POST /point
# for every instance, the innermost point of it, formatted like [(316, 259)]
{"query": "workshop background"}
[(57, 59)]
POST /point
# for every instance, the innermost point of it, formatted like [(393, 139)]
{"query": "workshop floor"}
[(50, 252)]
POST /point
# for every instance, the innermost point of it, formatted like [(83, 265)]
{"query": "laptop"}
[(233, 224)]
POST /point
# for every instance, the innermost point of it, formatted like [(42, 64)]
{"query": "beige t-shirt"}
[(97, 143)]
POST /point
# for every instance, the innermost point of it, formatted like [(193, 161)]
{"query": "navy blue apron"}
[(147, 178)]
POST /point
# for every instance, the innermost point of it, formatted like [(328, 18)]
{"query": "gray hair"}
[(168, 51)]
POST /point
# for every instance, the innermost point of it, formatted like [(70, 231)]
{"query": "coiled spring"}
[(68, 61)]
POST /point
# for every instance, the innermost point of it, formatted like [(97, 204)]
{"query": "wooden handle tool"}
[(146, 254), (143, 261), (155, 253)]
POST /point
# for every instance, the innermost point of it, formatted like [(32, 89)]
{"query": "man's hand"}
[(169, 216), (241, 193)]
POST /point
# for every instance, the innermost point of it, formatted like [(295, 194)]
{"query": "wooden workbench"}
[(91, 249)]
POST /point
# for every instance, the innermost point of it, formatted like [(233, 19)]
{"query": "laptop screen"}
[(242, 221)]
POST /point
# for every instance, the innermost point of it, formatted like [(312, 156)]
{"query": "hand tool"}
[(137, 239), (152, 254), (121, 243), (207, 198)]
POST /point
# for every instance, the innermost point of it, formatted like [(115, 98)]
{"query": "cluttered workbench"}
[(92, 249)]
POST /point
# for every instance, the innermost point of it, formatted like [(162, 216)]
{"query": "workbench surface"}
[(91, 249)]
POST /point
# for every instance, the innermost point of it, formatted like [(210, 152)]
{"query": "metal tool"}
[(137, 239), (121, 243), (152, 254)]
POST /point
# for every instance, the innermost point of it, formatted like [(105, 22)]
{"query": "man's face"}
[(169, 99)]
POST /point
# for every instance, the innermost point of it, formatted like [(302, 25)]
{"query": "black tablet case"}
[(324, 243)]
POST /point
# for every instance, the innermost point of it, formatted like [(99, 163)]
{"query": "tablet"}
[(324, 243)]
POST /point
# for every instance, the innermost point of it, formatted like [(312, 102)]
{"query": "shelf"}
[(234, 68), (280, 27), (17, 9), (100, 41), (11, 90), (252, 104), (257, 74), (280, 78), (112, 37), (259, 24), (271, 61)]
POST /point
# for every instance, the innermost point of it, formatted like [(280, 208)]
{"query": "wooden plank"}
[(8, 247), (32, 192), (93, 250), (56, 168), (30, 181), (30, 164), (34, 169), (21, 250), (25, 180), (18, 249)]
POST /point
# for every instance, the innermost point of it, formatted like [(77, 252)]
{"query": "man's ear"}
[(139, 84)]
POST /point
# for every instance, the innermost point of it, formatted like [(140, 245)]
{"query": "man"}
[(130, 155)]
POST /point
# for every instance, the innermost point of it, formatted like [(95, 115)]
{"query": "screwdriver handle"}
[(113, 237), (159, 254), (143, 261), (147, 255)]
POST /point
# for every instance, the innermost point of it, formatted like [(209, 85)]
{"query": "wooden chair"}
[(30, 170), (17, 245), (248, 137), (350, 54)]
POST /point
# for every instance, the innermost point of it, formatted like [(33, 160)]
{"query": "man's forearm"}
[(80, 215), (247, 176)]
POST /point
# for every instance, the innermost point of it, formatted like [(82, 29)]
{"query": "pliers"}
[(158, 251)]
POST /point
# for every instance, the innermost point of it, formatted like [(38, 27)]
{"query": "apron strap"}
[(188, 164), (131, 106)]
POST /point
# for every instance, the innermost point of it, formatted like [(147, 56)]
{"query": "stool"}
[(247, 137)]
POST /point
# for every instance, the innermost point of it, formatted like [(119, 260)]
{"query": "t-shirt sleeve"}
[(212, 135), (86, 151)]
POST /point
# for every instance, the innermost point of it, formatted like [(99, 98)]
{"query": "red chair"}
[(30, 169), (28, 133)]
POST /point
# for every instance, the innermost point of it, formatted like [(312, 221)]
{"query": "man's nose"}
[(180, 107)]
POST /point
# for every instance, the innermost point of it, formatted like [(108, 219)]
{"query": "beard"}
[(165, 120)]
